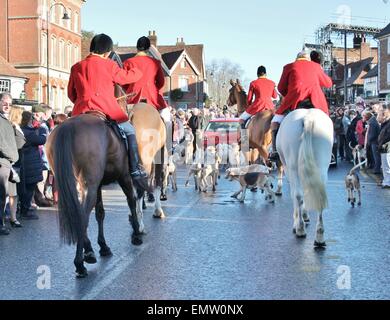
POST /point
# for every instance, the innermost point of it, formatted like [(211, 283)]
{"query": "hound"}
[(210, 169), (195, 169), (352, 183), (358, 153), (170, 177), (250, 177)]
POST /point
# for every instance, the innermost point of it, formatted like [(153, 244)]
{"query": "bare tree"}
[(219, 74)]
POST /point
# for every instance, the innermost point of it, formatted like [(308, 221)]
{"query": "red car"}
[(226, 131)]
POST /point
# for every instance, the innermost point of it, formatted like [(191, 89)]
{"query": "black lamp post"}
[(65, 17)]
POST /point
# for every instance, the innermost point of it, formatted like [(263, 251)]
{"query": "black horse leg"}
[(89, 256), (135, 204), (105, 251)]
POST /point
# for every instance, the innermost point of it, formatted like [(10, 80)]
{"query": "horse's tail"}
[(70, 210), (315, 196)]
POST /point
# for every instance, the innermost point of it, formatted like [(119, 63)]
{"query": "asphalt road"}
[(211, 247)]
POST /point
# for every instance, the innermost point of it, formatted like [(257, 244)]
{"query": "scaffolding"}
[(324, 42)]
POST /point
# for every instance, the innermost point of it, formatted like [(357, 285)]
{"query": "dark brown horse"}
[(85, 155), (259, 128)]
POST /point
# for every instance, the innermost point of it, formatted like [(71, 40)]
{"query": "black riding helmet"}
[(143, 44), (101, 44)]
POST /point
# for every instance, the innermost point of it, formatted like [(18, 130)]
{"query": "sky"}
[(247, 32)]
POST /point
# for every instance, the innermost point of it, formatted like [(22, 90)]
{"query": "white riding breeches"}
[(127, 127), (278, 118), (245, 116), (166, 115)]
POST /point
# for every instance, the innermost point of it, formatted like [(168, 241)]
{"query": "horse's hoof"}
[(159, 214), (136, 240), (90, 258), (82, 273), (319, 245), (278, 194), (301, 236), (106, 252), (163, 198)]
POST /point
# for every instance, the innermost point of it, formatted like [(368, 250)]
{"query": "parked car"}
[(225, 131)]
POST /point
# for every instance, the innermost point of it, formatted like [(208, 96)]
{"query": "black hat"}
[(101, 44), (315, 56), (143, 44), (261, 71)]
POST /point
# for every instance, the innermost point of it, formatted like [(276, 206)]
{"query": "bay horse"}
[(259, 128), (85, 155), (304, 143)]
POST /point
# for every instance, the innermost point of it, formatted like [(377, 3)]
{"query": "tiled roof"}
[(356, 70), (6, 69), (372, 73)]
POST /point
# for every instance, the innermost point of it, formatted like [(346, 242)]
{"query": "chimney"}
[(180, 42), (365, 50), (153, 38), (357, 41)]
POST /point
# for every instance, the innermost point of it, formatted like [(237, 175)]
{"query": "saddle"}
[(119, 133), (305, 104)]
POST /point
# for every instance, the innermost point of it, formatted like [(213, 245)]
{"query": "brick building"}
[(23, 43), (184, 68), (384, 62)]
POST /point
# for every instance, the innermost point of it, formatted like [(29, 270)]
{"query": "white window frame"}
[(388, 73), (388, 45), (349, 73), (76, 22), (69, 22), (181, 86), (53, 51), (5, 85), (44, 49), (61, 54)]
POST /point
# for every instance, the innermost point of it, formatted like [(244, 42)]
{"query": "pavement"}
[(212, 247)]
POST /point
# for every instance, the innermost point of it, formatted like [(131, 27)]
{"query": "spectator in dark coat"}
[(195, 124), (351, 132), (372, 140), (384, 144), (339, 129), (31, 164)]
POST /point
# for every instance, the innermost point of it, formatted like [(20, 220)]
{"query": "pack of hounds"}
[(206, 165)]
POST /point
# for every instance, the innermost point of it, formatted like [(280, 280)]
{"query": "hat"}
[(143, 44), (38, 108)]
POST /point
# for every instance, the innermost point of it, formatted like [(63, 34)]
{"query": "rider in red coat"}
[(148, 88), (302, 81), (92, 88), (264, 91)]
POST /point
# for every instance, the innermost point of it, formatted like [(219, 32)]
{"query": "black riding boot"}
[(274, 155), (137, 172)]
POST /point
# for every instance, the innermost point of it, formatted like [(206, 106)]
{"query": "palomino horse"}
[(304, 143), (85, 155), (259, 128)]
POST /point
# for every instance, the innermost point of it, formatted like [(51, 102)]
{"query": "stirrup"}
[(274, 157)]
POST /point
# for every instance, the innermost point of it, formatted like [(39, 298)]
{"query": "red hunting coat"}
[(92, 86), (264, 90), (149, 86), (302, 80)]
